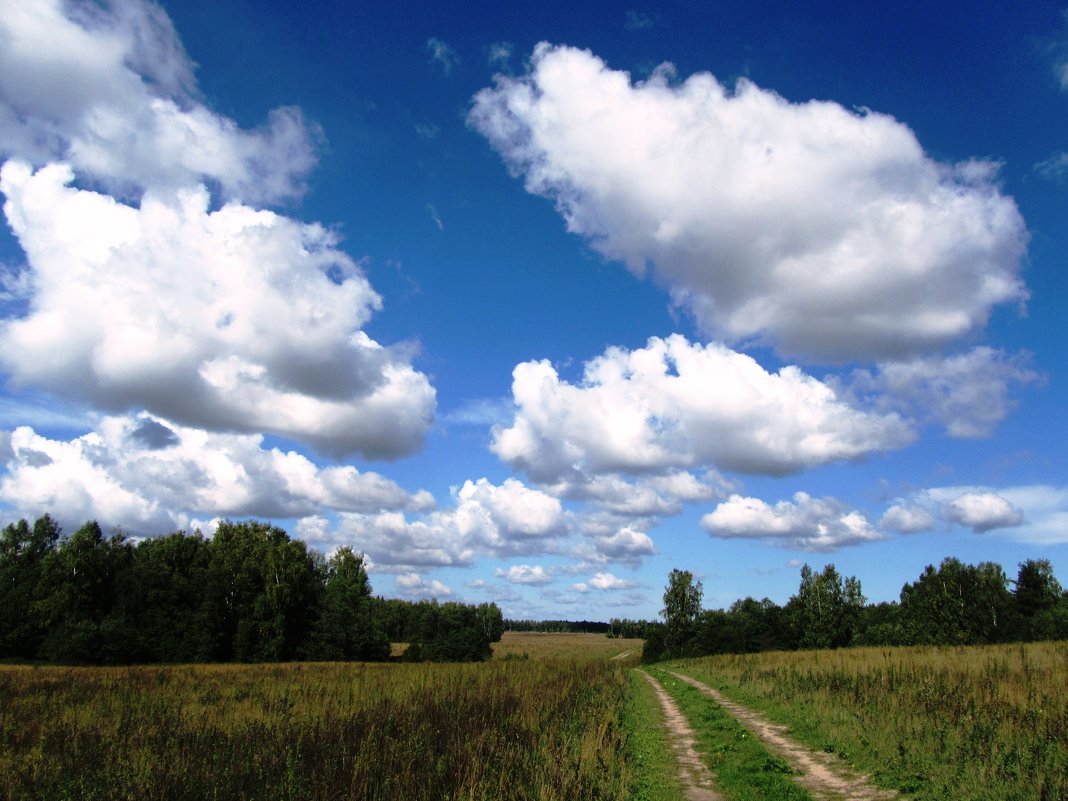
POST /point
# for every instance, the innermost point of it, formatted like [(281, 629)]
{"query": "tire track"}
[(695, 775), (823, 775)]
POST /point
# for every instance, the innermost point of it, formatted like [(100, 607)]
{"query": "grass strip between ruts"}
[(655, 776), (742, 767)]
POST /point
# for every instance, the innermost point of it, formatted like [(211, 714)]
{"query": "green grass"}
[(655, 775), (985, 723), (742, 768)]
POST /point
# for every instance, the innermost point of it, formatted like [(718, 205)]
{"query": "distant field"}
[(985, 723), (536, 645)]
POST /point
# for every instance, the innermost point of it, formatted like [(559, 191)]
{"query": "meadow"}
[(985, 723), (535, 728)]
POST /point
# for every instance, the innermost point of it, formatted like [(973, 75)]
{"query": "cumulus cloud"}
[(1031, 513), (150, 476), (806, 523), (109, 90), (907, 518), (824, 232), (413, 585), (231, 319), (967, 393), (525, 574), (674, 405), (982, 511), (648, 496), (607, 581), (485, 520), (172, 293)]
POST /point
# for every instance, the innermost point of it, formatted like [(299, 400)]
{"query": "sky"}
[(533, 303)]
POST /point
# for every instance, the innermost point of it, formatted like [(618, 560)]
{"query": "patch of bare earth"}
[(823, 775), (695, 776)]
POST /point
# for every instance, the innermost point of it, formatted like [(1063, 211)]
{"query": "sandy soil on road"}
[(823, 775), (693, 772)]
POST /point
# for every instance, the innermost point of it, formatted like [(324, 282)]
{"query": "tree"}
[(957, 604), (346, 627), (682, 607), (22, 551), (826, 611)]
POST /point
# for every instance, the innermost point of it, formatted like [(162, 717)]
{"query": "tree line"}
[(250, 593), (953, 604)]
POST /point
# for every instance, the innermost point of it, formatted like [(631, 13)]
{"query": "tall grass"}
[(500, 730), (940, 723)]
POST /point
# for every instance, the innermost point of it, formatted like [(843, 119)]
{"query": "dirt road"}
[(823, 775), (693, 772)]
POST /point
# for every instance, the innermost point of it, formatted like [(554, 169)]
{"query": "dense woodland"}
[(248, 594), (953, 604)]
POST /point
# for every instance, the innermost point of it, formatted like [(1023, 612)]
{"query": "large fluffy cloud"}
[(805, 523), (675, 405), (230, 319), (109, 89), (823, 231), (151, 476)]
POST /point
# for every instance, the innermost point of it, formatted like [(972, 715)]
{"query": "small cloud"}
[(607, 581), (414, 586), (443, 54), (525, 574), (907, 519), (1055, 168), (426, 130), (500, 55), (640, 20), (433, 212), (983, 511)]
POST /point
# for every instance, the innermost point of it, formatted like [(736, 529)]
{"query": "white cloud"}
[(967, 393), (983, 511), (649, 496), (151, 476), (1035, 513), (675, 405), (822, 231), (485, 520), (907, 518), (500, 54), (231, 319), (525, 574), (414, 586), (111, 91), (806, 523), (607, 581), (442, 54)]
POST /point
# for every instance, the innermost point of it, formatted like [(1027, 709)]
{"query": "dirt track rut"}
[(823, 775), (693, 772)]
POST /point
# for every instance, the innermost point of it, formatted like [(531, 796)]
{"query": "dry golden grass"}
[(539, 645)]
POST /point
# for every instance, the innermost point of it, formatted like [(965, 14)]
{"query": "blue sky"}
[(534, 303)]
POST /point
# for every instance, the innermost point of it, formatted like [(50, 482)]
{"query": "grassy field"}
[(982, 723), (536, 729), (537, 645)]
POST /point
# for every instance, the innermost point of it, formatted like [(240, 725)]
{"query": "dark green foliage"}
[(826, 610), (249, 594), (347, 628), (682, 607), (957, 604)]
